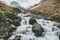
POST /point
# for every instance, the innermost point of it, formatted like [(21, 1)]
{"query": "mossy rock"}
[(17, 38), (37, 29), (32, 21)]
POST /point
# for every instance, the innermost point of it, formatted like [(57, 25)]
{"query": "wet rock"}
[(37, 29), (17, 38), (57, 24), (32, 21), (59, 36)]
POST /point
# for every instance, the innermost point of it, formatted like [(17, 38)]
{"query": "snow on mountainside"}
[(23, 3)]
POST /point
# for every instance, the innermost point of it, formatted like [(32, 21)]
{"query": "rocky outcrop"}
[(49, 9)]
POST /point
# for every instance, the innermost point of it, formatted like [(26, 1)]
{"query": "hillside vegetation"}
[(6, 8), (49, 9), (8, 19)]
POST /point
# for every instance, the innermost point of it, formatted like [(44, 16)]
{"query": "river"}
[(25, 30)]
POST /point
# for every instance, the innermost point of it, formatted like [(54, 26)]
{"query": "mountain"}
[(4, 7), (15, 4)]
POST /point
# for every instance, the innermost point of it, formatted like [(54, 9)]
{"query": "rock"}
[(57, 24), (37, 29), (32, 21), (34, 16), (55, 17), (17, 38), (59, 36)]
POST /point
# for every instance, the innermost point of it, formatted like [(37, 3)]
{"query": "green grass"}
[(6, 8)]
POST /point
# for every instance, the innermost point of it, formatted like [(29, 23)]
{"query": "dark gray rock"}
[(17, 38), (37, 29), (57, 24), (32, 21)]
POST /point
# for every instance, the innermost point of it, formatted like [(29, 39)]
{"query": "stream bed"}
[(24, 31)]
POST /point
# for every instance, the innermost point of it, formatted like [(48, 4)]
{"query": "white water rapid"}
[(25, 30)]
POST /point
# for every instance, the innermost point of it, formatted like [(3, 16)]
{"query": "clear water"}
[(25, 30)]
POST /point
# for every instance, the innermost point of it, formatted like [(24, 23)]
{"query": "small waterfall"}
[(25, 30), (25, 20)]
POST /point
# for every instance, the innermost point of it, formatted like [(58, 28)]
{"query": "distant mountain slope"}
[(4, 7), (49, 9)]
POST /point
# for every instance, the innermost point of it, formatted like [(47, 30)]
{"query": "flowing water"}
[(24, 31)]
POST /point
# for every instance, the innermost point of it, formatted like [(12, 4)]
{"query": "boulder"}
[(32, 21), (37, 29)]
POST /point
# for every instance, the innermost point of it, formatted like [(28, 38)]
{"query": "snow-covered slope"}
[(24, 3)]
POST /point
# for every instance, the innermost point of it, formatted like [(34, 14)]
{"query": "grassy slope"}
[(5, 8), (49, 9)]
